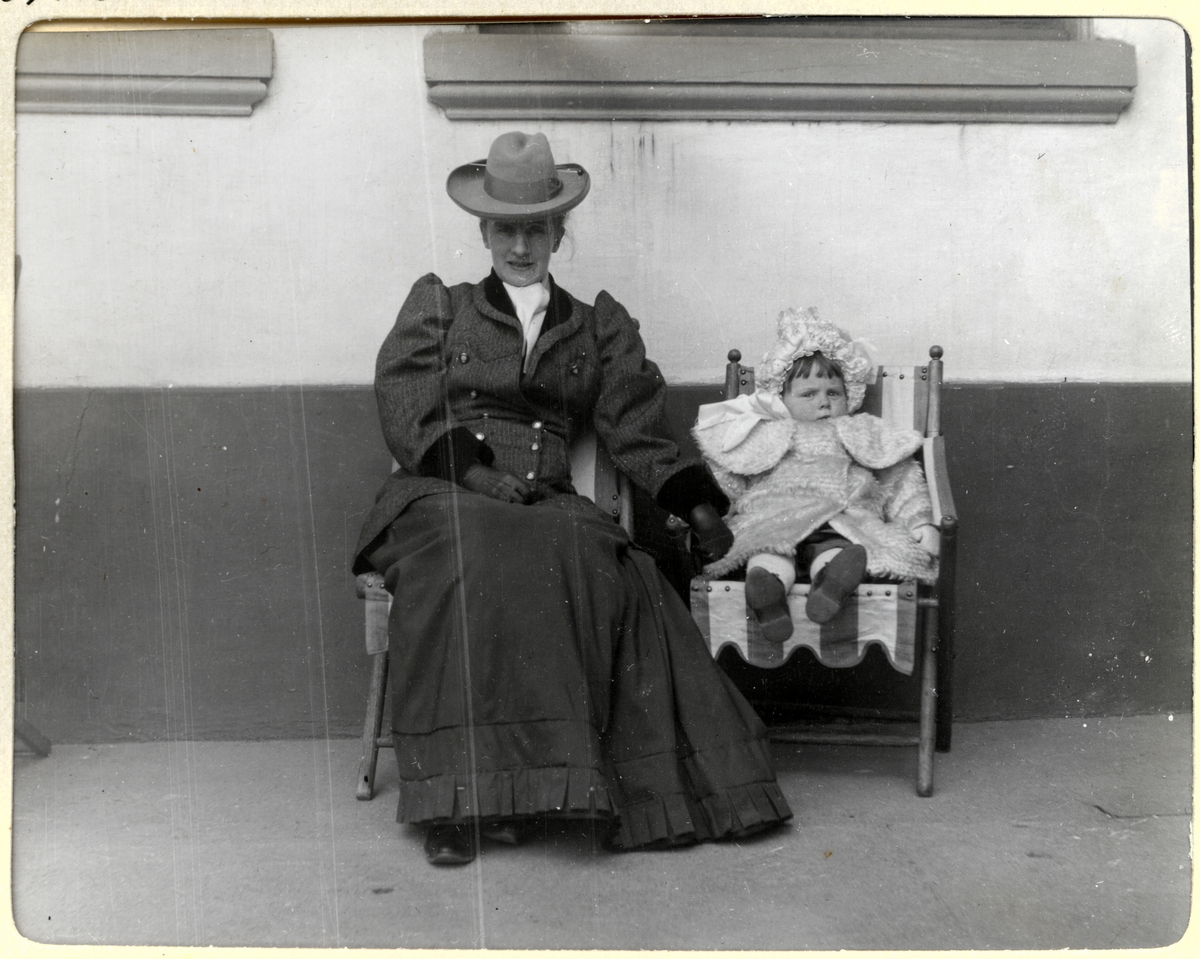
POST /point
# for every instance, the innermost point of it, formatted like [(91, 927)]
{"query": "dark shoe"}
[(506, 831), (449, 845), (833, 585), (767, 599)]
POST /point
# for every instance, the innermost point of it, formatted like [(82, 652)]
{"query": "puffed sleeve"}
[(888, 450), (906, 494), (630, 418), (875, 443), (410, 388), (760, 450)]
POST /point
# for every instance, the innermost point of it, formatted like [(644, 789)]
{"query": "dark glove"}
[(496, 484), (710, 536)]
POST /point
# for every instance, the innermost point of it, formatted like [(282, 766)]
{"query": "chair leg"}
[(372, 726), (928, 706), (945, 693), (945, 641)]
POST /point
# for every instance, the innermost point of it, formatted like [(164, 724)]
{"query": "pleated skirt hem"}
[(679, 820), (561, 791)]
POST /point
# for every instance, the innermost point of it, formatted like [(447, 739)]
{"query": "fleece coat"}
[(857, 473)]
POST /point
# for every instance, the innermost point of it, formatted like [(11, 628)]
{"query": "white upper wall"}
[(276, 249)]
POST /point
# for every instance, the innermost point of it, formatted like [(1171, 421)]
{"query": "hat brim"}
[(465, 186)]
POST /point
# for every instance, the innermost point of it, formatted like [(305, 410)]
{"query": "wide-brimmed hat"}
[(518, 180)]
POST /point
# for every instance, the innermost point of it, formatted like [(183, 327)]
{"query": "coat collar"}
[(559, 310), (561, 316)]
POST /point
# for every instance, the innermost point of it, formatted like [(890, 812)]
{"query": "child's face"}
[(815, 397)]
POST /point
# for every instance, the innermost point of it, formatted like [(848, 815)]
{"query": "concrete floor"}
[(1041, 834)]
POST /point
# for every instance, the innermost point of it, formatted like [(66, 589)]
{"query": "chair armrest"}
[(938, 478), (369, 587)]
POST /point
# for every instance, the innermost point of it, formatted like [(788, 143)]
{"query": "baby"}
[(814, 483)]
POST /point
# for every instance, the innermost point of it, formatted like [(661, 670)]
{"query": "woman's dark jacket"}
[(451, 392)]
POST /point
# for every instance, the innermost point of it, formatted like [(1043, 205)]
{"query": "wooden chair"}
[(913, 622), (594, 475)]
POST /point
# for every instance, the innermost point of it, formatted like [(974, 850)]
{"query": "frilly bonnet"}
[(802, 333)]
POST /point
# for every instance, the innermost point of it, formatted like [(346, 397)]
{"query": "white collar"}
[(530, 302)]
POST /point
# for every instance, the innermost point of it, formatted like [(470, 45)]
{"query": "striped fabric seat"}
[(882, 613)]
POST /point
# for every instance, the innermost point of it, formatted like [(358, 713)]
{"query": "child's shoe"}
[(834, 583), (767, 599)]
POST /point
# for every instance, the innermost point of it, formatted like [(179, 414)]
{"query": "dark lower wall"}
[(182, 561), (1076, 578), (182, 557)]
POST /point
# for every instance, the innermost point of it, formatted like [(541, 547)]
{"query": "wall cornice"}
[(193, 72), (474, 76)]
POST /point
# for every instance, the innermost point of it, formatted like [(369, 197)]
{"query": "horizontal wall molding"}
[(172, 72), (204, 96), (476, 76), (781, 102)]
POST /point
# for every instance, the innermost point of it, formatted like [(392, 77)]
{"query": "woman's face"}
[(521, 249)]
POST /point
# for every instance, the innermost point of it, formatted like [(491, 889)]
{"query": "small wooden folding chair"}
[(914, 623)]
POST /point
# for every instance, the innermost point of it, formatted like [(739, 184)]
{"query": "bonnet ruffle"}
[(802, 333)]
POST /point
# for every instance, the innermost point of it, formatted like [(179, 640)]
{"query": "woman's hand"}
[(929, 538), (710, 536), (496, 484)]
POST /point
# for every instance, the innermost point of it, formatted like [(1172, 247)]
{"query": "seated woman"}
[(540, 665)]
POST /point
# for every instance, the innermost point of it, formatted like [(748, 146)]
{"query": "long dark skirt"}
[(540, 665)]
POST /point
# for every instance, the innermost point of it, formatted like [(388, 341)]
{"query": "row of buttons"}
[(535, 446), (479, 436)]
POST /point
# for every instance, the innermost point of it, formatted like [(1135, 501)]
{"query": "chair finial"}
[(735, 356), (935, 352)]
